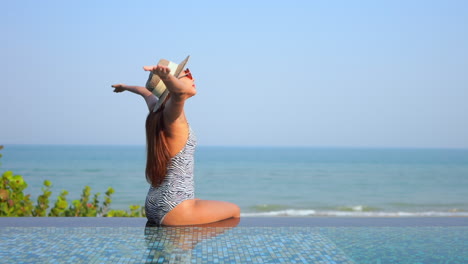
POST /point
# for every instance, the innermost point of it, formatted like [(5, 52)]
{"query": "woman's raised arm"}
[(180, 90), (173, 84), (149, 97)]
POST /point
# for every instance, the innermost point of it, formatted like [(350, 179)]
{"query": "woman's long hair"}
[(158, 155)]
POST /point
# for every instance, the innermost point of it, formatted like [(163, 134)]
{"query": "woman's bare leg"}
[(196, 211)]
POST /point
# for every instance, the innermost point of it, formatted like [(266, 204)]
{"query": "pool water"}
[(438, 244)]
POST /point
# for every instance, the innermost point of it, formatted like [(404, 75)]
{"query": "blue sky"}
[(269, 73)]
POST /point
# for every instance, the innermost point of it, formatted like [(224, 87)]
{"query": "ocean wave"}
[(268, 207), (279, 207), (357, 208), (306, 212)]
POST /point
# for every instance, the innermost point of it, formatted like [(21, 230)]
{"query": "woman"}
[(170, 149)]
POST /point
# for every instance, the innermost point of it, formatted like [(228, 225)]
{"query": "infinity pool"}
[(303, 241)]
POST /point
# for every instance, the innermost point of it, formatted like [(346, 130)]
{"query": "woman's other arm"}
[(149, 97)]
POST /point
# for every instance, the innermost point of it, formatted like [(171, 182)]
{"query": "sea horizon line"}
[(243, 146)]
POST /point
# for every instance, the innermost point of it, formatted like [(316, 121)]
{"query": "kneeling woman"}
[(170, 150)]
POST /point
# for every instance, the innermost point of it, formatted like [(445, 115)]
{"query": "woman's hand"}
[(162, 71), (118, 88), (149, 97)]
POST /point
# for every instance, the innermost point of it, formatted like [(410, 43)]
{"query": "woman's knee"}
[(236, 210)]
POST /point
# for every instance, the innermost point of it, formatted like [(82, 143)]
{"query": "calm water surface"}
[(266, 181)]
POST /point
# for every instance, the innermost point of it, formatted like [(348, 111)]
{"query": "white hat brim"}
[(157, 87)]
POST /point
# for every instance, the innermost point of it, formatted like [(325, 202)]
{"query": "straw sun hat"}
[(157, 87)]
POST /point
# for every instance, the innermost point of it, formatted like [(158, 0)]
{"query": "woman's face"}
[(187, 78)]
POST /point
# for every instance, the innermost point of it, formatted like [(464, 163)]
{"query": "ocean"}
[(265, 181)]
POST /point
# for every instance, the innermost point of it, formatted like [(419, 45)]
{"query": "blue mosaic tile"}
[(234, 245)]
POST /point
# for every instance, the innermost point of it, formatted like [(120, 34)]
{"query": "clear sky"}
[(269, 73)]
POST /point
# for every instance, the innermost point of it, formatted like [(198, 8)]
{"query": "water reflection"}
[(175, 244)]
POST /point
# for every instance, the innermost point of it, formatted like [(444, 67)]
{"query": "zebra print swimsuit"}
[(178, 185)]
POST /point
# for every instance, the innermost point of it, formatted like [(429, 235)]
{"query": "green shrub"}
[(60, 206), (135, 211), (43, 200), (13, 201)]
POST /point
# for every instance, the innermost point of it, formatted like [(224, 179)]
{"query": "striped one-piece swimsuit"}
[(177, 186)]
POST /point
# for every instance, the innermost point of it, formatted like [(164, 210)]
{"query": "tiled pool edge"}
[(244, 221), (326, 240)]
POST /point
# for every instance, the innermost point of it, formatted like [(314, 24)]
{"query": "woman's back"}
[(177, 186)]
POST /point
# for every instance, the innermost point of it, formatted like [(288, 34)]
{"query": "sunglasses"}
[(187, 74)]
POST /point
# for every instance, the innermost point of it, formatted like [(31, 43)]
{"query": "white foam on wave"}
[(358, 208), (290, 212), (295, 212)]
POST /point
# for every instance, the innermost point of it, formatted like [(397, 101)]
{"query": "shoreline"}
[(244, 222), (350, 213)]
